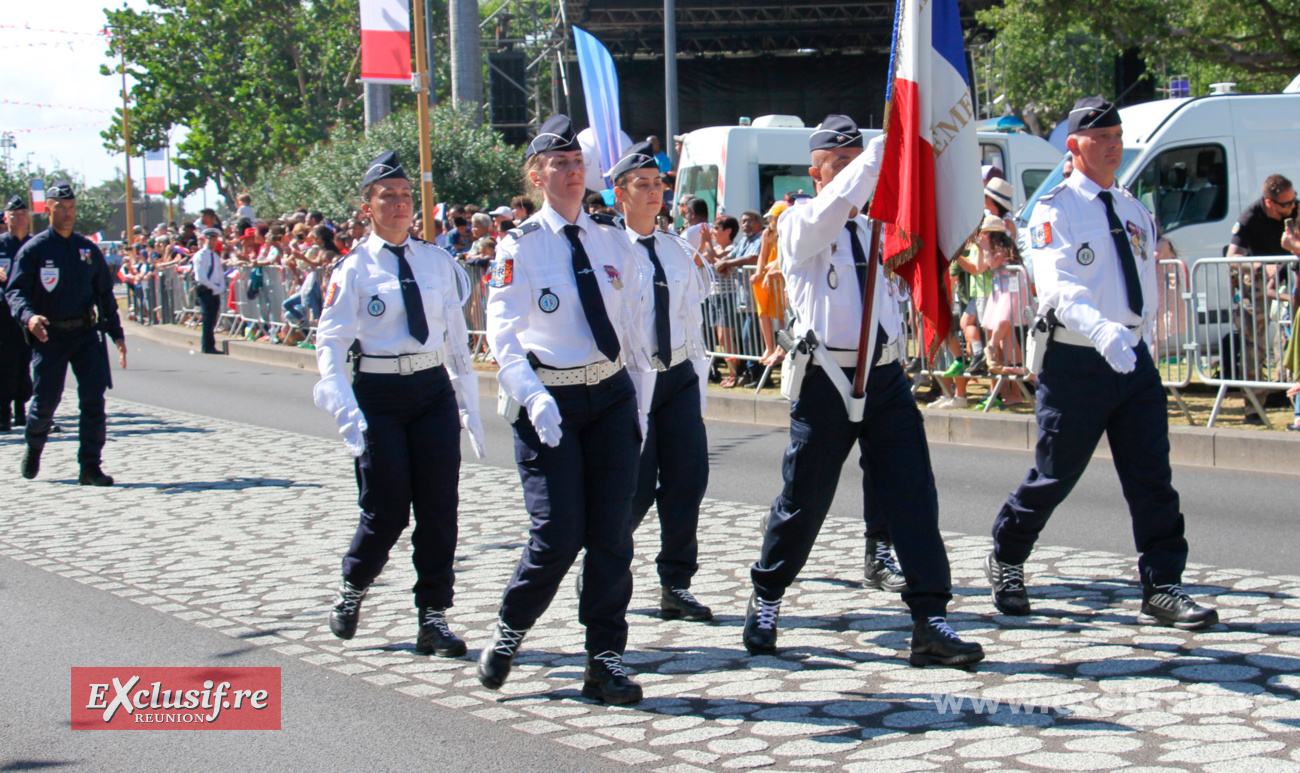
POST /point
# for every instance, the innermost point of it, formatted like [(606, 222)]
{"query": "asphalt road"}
[(1234, 518)]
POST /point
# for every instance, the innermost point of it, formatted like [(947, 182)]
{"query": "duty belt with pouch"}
[(795, 364), (1040, 337), (587, 375)]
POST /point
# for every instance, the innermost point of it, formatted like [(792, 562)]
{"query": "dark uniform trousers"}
[(579, 494), (84, 350), (1079, 397), (208, 304), (674, 472), (898, 483), (15, 361), (412, 460)]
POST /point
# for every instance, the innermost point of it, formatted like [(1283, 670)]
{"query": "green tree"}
[(471, 165), (1050, 52), (255, 83), (94, 208)]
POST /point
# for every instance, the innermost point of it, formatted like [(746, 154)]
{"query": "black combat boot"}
[(882, 570), (1008, 581), (1170, 605), (32, 460), (435, 638), (92, 475), (347, 610), (607, 680), (494, 664), (760, 625), (934, 642), (680, 604)]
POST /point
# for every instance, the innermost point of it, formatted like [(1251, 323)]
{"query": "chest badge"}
[(1137, 237), (832, 278), (49, 278), (85, 256), (549, 301), (1085, 255), (612, 273), (376, 306)]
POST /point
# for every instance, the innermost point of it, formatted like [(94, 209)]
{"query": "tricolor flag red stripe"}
[(38, 195), (155, 172), (385, 41), (930, 193)]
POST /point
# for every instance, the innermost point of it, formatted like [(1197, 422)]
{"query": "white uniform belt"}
[(1063, 334), (848, 358), (588, 375), (679, 356), (403, 364)]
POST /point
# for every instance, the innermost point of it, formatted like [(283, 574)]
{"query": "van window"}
[(1054, 179), (991, 155), (776, 180), (698, 181), (1030, 179), (1185, 186)]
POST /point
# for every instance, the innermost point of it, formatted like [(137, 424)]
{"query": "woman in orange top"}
[(769, 287)]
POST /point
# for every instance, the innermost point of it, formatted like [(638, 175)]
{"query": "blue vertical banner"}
[(600, 88)]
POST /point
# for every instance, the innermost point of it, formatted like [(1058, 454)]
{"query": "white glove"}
[(544, 414), (1115, 342), (876, 152), (474, 427), (352, 426)]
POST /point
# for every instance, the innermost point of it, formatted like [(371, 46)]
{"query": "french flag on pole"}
[(38, 195), (930, 195), (155, 172), (385, 41)]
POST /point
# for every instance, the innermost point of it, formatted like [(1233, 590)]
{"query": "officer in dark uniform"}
[(15, 354), (674, 471), (824, 259), (399, 299), (1093, 247), (61, 291), (566, 311)]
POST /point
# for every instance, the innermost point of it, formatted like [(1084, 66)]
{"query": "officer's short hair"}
[(699, 207), (1275, 185)]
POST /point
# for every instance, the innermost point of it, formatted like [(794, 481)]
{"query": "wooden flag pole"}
[(128, 240), (421, 85), (869, 298)]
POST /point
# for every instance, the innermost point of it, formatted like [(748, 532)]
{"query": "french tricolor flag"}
[(38, 196), (155, 172), (930, 195), (385, 41)]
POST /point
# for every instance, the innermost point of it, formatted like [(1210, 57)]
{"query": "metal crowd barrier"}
[(476, 310), (1235, 342), (732, 325)]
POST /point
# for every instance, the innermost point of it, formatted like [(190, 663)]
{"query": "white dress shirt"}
[(208, 270), (688, 286), (1076, 265), (817, 261), (534, 271)]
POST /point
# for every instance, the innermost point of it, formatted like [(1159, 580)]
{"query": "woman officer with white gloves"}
[(414, 388)]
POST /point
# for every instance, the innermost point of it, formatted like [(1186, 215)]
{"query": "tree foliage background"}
[(95, 206), (1051, 52), (471, 165)]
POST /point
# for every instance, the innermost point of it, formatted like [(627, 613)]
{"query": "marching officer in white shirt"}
[(211, 278), (1093, 247), (824, 260), (414, 388), (566, 307), (674, 470)]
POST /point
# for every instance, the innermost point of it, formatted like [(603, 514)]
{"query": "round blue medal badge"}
[(376, 306), (549, 301), (1085, 255)]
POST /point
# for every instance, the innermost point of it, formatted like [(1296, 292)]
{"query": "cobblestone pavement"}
[(240, 529)]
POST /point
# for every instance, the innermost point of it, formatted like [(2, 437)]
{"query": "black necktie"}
[(593, 304), (860, 269), (415, 319), (663, 334), (1120, 236)]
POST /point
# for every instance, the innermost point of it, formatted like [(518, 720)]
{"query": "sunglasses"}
[(1283, 204)]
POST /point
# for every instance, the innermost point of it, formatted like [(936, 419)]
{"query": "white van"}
[(738, 168), (1197, 163)]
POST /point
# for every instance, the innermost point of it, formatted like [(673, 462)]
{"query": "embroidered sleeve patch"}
[(1041, 235), (332, 294), (503, 273)]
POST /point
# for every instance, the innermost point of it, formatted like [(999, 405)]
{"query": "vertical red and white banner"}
[(155, 172), (930, 195), (38, 196), (385, 41)]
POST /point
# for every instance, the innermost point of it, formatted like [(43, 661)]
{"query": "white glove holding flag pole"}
[(334, 394)]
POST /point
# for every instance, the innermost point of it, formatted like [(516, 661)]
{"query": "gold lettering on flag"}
[(942, 133)]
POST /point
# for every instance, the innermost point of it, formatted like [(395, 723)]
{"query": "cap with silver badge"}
[(835, 131), (555, 134)]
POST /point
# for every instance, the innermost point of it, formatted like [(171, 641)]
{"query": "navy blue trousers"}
[(1079, 398), (674, 472), (84, 351), (208, 305), (898, 484), (579, 495), (411, 462)]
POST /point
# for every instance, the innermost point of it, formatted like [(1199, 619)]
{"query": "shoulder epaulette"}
[(1048, 196), (609, 220), (525, 229), (339, 262)]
